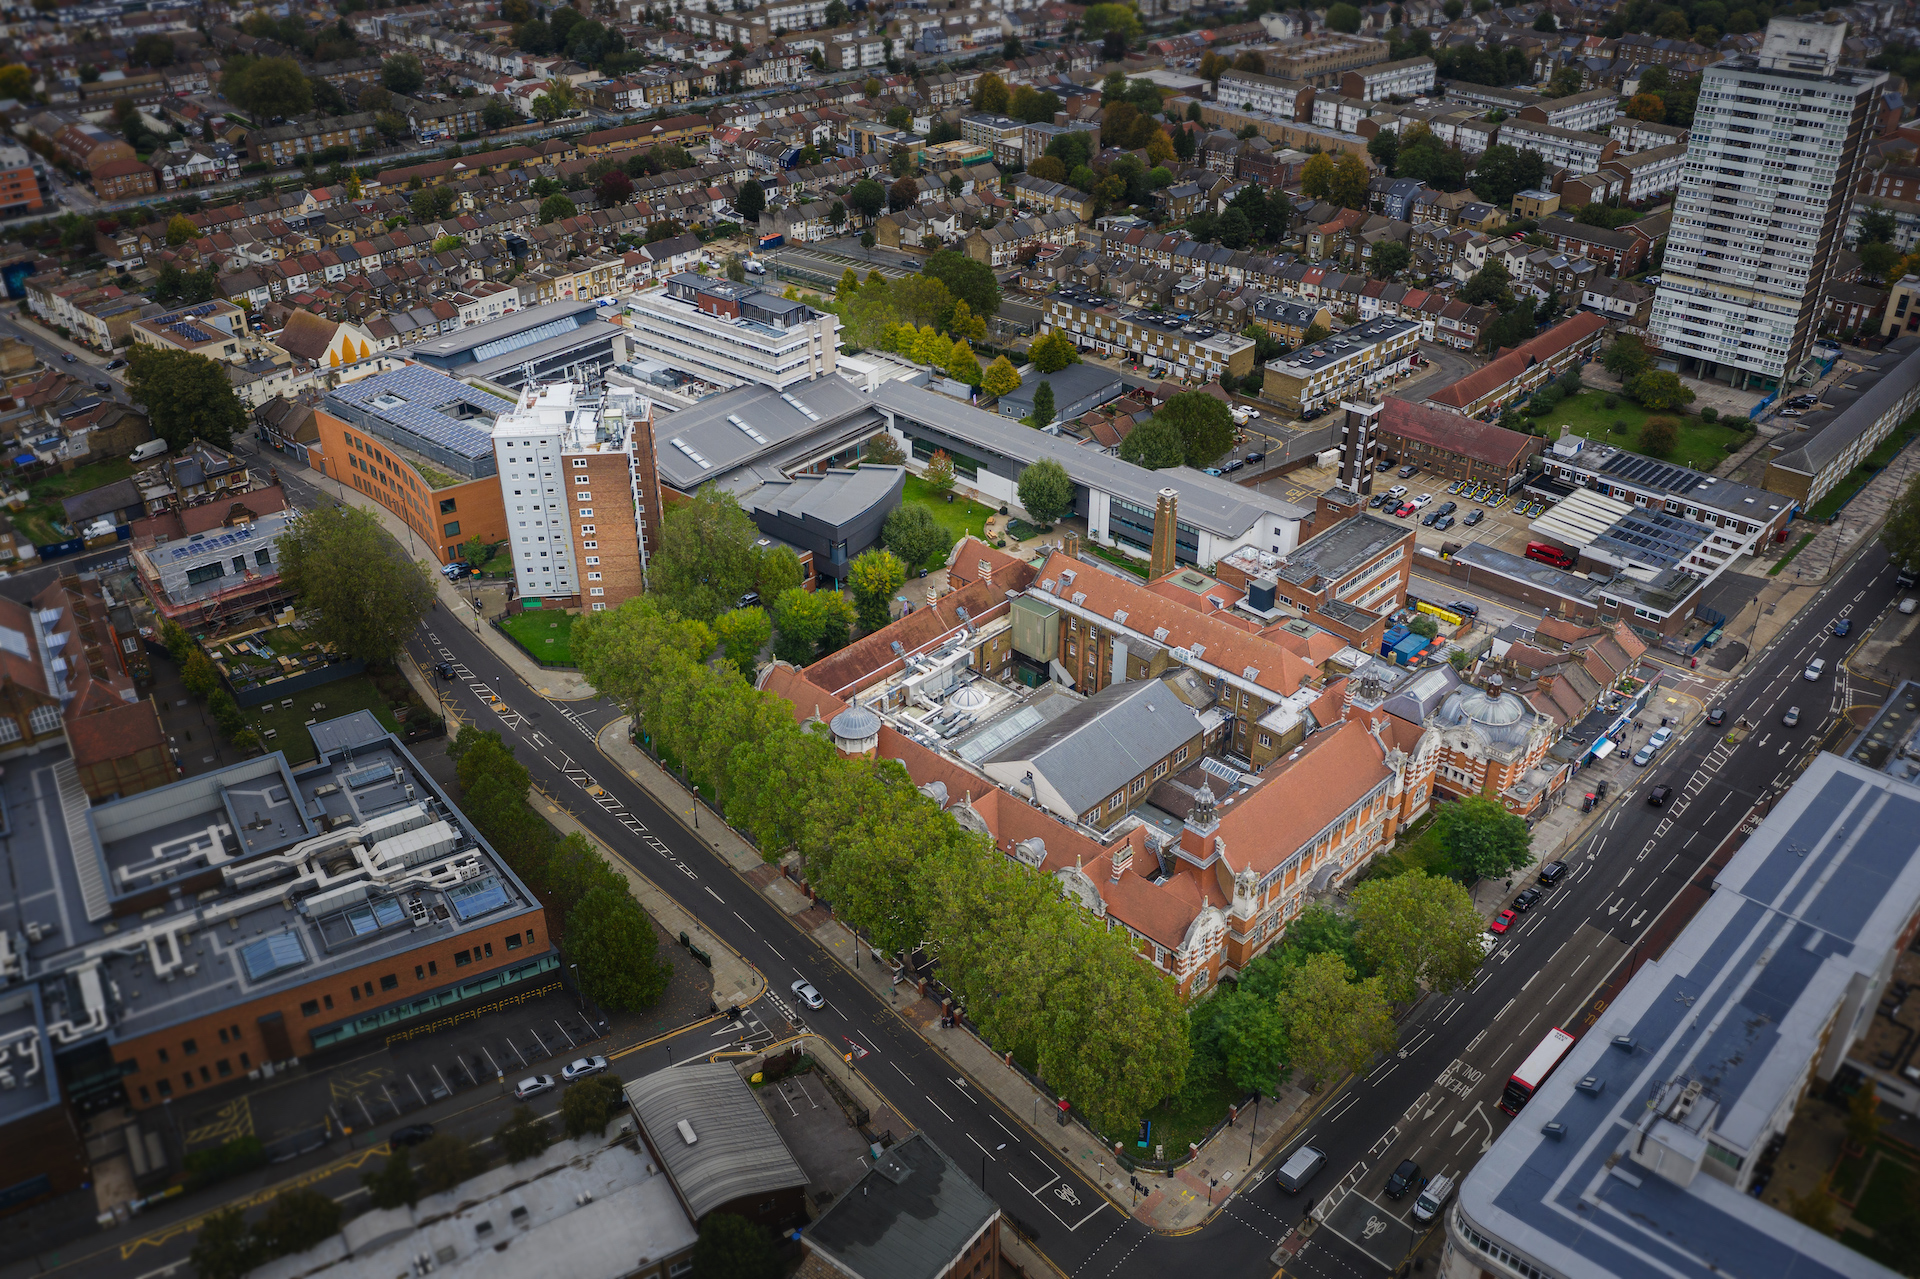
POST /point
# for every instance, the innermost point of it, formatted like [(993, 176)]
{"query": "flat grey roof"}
[(1069, 384), (1341, 549), (1097, 746), (716, 430), (1338, 346), (736, 1151), (909, 1217), (1737, 1007), (1857, 402), (833, 498), (463, 346), (1218, 506)]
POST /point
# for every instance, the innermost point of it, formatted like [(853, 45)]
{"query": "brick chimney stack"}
[(1166, 513), (1071, 544), (1122, 860)]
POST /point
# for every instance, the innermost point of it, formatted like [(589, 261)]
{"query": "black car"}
[(1526, 900), (1429, 518), (1377, 501), (1717, 716), (1255, 457), (444, 670), (1444, 523), (116, 364), (1311, 414), (1234, 465), (1383, 466), (1448, 508), (1474, 517), (1659, 796), (1552, 873), (68, 356), (106, 387), (1404, 1178), (411, 1135), (1464, 608)]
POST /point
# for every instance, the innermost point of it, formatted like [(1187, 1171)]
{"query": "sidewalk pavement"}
[(1181, 1202), (1859, 519), (565, 686)]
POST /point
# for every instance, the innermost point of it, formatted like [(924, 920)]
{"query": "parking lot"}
[(1500, 525)]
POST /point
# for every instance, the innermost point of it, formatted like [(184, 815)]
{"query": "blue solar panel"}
[(205, 544), (427, 394), (273, 954), (470, 901)]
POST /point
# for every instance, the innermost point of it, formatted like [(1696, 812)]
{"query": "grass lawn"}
[(1182, 1119), (36, 519), (1787, 559), (1701, 445), (501, 565), (543, 632), (1120, 559), (342, 697), (961, 517), (1885, 1195)]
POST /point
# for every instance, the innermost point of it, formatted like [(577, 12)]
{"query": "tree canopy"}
[(1046, 491), (356, 587), (186, 396), (1204, 422)]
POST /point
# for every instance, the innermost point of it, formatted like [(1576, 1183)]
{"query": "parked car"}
[(1661, 736), (581, 1067), (1404, 1178), (103, 386), (1908, 604), (1444, 523), (1255, 458), (532, 1086), (1429, 518), (1398, 490), (1456, 486), (1214, 471), (116, 364), (1792, 717), (1448, 508), (1644, 756), (1377, 501), (1432, 1199), (69, 357), (1527, 899), (1406, 509), (803, 991), (1501, 922), (1383, 467), (1234, 465), (1408, 470), (1474, 517), (1465, 608), (410, 1135), (1552, 873)]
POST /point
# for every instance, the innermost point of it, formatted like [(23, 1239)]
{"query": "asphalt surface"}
[(1433, 1101)]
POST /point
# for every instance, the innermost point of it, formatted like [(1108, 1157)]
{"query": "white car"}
[(1422, 501), (532, 1086), (1398, 490), (803, 991), (582, 1067), (1816, 668), (1660, 738), (1908, 604)]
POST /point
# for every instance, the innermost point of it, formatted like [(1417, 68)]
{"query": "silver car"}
[(803, 991)]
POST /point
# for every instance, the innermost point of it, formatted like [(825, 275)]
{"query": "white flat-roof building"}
[(732, 333)]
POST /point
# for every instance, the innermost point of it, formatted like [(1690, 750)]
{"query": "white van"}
[(1432, 1199), (151, 449), (1299, 1169)]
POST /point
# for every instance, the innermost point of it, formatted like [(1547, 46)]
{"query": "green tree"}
[(1119, 19), (1482, 838), (556, 207), (1332, 1022), (1658, 436), (1417, 930), (751, 200), (223, 1247), (268, 88), (1246, 1034), (803, 620), (181, 230), (498, 114), (970, 281), (1052, 351), (1901, 532), (1502, 171), (523, 1136), (962, 365), (1316, 176), (402, 74), (1348, 186), (875, 576), (394, 1184), (706, 560), (915, 536), (446, 1160), (186, 396), (881, 449), (1154, 444), (1204, 422), (1046, 491), (745, 631), (199, 675), (731, 1247), (356, 587), (1043, 408), (1879, 259), (612, 942), (587, 1106), (1626, 356), (1390, 257), (1489, 286), (867, 198), (1659, 390), (1877, 226), (297, 1220), (1384, 147), (1343, 17), (1000, 377)]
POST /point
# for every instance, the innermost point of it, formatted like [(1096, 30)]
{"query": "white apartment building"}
[(1282, 98), (1408, 78), (1592, 111), (1640, 135), (732, 333), (1775, 152), (1344, 114), (1004, 135), (1560, 148), (580, 491)]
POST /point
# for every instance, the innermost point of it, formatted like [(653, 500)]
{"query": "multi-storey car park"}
[(1772, 163), (224, 925)]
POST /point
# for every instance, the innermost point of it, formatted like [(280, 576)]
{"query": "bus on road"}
[(1534, 1070)]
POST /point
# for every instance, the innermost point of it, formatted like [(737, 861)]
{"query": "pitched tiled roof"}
[(1470, 437), (1300, 796), (1517, 361)]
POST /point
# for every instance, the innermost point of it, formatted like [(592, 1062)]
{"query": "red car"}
[(1504, 922), (1406, 509)]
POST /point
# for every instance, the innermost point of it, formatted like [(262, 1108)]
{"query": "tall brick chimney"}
[(1359, 446), (1166, 513)]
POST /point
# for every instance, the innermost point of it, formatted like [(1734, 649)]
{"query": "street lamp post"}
[(1253, 1129), (577, 992)]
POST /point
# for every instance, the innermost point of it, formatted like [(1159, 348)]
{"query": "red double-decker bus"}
[(1534, 1070)]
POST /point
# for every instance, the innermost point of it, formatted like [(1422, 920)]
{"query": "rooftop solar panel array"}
[(1655, 537), (1664, 476), (221, 543), (424, 394)]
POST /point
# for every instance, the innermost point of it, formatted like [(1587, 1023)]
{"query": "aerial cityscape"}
[(650, 639)]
